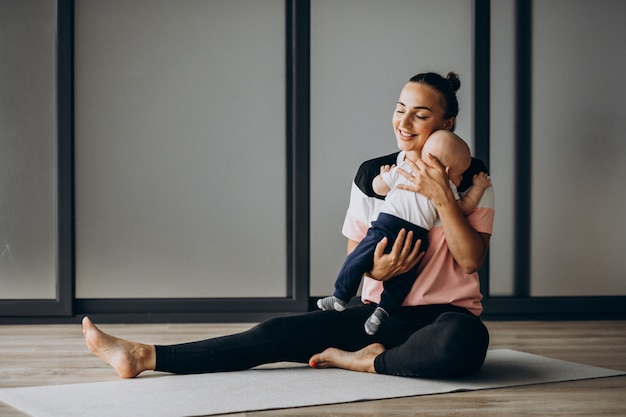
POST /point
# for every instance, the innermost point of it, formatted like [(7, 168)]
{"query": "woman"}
[(437, 332)]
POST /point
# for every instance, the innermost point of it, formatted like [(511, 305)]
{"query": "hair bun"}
[(454, 81)]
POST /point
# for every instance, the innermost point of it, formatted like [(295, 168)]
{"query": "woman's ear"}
[(449, 124)]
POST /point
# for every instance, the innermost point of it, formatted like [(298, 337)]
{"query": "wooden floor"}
[(55, 354)]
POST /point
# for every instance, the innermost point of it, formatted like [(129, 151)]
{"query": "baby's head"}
[(451, 151)]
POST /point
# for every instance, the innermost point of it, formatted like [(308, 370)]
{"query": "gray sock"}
[(375, 320), (331, 303)]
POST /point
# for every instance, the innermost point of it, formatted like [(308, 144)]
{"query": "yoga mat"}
[(264, 389)]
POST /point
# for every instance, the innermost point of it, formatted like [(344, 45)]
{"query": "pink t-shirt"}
[(440, 279)]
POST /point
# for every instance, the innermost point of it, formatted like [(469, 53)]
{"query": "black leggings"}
[(424, 341)]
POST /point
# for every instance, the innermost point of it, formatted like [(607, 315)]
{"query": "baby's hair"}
[(449, 148)]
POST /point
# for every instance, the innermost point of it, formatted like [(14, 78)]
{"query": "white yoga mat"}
[(263, 389)]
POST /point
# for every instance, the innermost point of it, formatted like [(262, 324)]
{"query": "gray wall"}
[(362, 53), (180, 149), (578, 150), (27, 150), (578, 155), (170, 93)]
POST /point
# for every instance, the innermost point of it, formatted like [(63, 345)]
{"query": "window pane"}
[(578, 150), (502, 146), (180, 147), (362, 53), (27, 150)]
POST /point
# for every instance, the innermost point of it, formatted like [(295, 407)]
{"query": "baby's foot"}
[(331, 303), (375, 320)]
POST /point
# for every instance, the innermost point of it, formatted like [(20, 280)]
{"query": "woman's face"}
[(418, 113)]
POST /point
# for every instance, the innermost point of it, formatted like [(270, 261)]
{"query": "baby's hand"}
[(386, 168), (482, 180)]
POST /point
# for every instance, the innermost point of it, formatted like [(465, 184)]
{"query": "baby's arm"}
[(378, 184), (473, 195)]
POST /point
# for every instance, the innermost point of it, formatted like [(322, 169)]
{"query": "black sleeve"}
[(477, 166), (369, 170)]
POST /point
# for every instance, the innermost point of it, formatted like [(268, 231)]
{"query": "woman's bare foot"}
[(361, 360), (128, 359)]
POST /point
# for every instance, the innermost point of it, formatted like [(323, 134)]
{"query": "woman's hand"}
[(403, 256), (429, 179)]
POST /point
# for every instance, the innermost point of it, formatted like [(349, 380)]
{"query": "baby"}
[(404, 210)]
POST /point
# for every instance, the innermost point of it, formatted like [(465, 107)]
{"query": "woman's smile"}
[(406, 135)]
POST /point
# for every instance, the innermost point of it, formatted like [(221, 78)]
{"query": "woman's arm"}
[(468, 247)]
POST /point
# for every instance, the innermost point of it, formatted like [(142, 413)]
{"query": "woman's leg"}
[(460, 342), (293, 338), (454, 344)]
